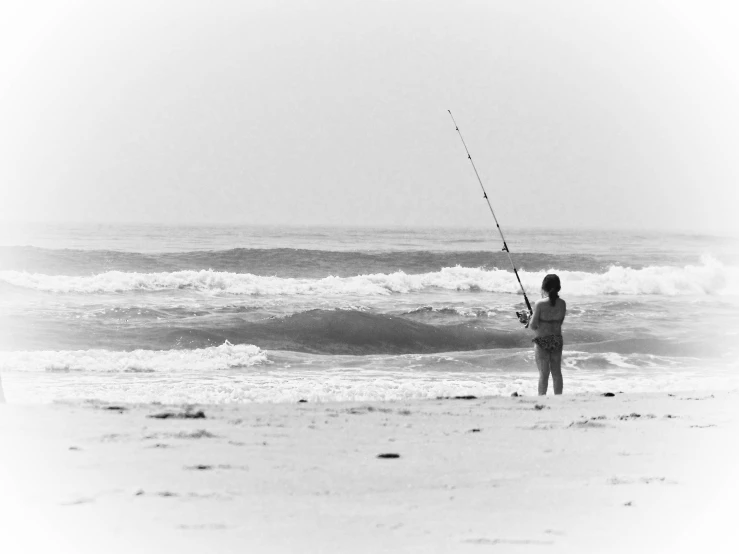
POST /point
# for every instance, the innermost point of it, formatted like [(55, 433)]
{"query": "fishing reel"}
[(524, 317)]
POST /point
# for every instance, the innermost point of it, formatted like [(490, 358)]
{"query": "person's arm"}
[(534, 325)]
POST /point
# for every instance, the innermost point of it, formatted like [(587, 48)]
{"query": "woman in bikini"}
[(549, 314)]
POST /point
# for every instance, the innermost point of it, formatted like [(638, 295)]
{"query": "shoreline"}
[(344, 384), (575, 473)]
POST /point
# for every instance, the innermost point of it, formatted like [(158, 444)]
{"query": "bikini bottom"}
[(550, 343)]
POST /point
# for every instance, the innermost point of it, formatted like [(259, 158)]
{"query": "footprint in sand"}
[(541, 427), (204, 467), (507, 541), (78, 501), (199, 434), (645, 480), (204, 527), (90, 499), (113, 437)]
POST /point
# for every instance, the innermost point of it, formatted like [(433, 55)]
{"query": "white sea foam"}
[(197, 376), (343, 384), (226, 356), (709, 278)]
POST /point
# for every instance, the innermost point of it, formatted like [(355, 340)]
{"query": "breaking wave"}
[(709, 278), (226, 356)]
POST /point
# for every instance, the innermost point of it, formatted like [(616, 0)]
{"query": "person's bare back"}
[(547, 319)]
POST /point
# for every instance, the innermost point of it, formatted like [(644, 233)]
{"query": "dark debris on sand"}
[(142, 492), (588, 423), (200, 414), (634, 415), (359, 410)]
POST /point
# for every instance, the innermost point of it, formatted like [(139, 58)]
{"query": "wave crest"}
[(711, 277), (226, 356)]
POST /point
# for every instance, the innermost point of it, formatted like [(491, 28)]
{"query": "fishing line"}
[(522, 317)]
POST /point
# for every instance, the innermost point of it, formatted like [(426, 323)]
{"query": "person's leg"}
[(555, 365), (542, 362)]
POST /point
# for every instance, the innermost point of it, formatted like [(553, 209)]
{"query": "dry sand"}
[(580, 473)]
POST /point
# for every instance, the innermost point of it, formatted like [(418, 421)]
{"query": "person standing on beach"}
[(549, 313)]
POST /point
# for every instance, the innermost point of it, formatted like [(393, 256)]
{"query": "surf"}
[(711, 277), (224, 356)]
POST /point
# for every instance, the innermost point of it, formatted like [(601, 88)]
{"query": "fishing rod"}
[(523, 317)]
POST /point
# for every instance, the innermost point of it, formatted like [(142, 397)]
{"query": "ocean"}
[(188, 314)]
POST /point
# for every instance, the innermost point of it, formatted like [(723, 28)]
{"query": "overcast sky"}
[(578, 113)]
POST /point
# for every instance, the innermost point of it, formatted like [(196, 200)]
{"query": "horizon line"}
[(193, 224)]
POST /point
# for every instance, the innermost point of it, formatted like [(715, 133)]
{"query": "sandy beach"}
[(287, 277), (583, 473)]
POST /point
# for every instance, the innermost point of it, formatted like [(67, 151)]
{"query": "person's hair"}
[(551, 286)]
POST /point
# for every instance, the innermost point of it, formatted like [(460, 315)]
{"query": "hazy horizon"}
[(577, 115), (508, 230)]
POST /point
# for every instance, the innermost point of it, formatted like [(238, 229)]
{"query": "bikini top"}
[(556, 320), (559, 320)]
